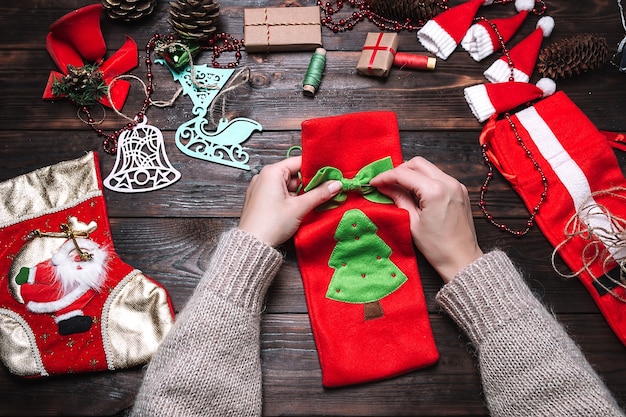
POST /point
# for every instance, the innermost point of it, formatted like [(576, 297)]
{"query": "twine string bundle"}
[(604, 245), (240, 78)]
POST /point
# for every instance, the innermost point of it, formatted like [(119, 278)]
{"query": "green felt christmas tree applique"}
[(364, 272)]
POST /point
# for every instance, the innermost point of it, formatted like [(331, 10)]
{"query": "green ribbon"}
[(360, 183)]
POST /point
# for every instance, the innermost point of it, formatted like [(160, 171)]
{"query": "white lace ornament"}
[(141, 163)]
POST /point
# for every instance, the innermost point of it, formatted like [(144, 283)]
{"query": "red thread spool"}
[(414, 61)]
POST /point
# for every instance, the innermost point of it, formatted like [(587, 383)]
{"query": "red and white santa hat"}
[(441, 34), (481, 39), (523, 56), (488, 99)]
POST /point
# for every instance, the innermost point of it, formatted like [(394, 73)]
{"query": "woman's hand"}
[(271, 210), (439, 208)]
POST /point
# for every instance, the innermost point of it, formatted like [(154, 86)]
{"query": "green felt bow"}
[(360, 183)]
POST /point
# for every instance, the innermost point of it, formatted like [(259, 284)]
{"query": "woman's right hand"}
[(440, 214)]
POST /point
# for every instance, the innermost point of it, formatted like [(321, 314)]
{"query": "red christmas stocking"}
[(68, 303), (356, 256), (583, 213)]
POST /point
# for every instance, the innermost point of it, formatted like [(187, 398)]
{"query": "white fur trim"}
[(479, 102), (436, 40), (500, 72), (477, 42), (570, 174), (69, 315), (53, 306), (547, 85), (546, 24), (527, 5)]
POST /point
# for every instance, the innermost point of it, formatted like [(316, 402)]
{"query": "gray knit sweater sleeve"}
[(209, 364), (529, 366)]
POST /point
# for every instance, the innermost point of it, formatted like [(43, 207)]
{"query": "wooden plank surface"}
[(171, 233)]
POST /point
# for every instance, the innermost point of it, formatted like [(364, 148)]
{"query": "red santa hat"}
[(481, 40), (441, 34), (485, 100), (523, 56)]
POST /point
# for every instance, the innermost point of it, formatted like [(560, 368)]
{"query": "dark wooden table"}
[(171, 233)]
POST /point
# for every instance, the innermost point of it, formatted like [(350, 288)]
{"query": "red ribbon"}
[(375, 50), (75, 38)]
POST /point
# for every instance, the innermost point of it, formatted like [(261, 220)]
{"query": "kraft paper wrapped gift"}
[(377, 55), (280, 29)]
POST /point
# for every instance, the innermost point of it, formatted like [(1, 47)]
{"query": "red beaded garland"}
[(109, 143), (383, 23), (505, 50), (483, 189), (224, 42), (364, 12)]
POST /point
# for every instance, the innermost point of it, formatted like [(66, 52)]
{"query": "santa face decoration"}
[(65, 283)]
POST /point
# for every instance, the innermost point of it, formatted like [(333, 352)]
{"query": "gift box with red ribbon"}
[(378, 53), (280, 29)]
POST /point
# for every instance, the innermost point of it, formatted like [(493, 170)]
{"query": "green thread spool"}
[(313, 76)]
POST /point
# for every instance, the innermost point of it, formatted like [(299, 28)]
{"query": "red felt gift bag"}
[(583, 209), (356, 256)]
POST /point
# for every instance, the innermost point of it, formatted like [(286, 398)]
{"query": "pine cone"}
[(128, 10), (401, 10), (573, 56), (194, 19)]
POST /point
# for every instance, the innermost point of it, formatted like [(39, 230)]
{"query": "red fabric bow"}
[(75, 39)]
